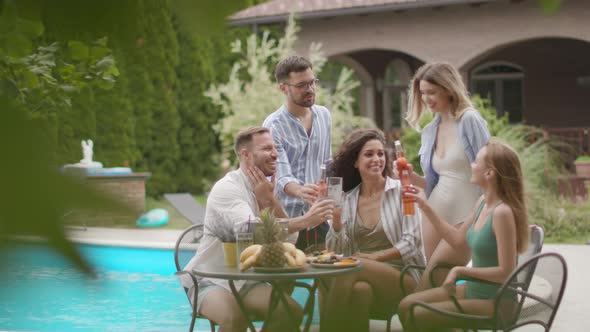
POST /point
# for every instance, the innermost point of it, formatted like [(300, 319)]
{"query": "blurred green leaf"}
[(67, 71), (30, 79), (53, 47), (78, 50), (8, 19), (34, 197), (17, 45), (102, 42), (46, 60), (7, 89), (99, 52), (550, 6), (69, 88), (106, 83), (113, 71), (31, 29), (105, 63)]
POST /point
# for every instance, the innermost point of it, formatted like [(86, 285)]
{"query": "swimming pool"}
[(135, 290)]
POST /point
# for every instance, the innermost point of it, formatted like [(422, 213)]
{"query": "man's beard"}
[(265, 169), (304, 103)]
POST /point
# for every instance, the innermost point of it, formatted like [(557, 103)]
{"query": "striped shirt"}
[(404, 232), (300, 155)]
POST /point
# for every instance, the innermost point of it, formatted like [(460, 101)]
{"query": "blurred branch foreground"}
[(37, 79), (34, 196)]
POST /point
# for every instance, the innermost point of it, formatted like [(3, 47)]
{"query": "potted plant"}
[(583, 166)]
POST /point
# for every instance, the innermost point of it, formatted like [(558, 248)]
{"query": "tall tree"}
[(162, 54)]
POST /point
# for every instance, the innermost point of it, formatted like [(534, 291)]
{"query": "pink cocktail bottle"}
[(322, 185)]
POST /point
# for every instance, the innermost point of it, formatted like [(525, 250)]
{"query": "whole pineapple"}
[(272, 253)]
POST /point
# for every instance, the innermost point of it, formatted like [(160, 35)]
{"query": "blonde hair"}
[(503, 160), (447, 77)]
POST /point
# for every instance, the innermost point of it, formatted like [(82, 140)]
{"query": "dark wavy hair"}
[(348, 154)]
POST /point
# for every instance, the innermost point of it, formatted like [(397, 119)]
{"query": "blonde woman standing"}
[(449, 144)]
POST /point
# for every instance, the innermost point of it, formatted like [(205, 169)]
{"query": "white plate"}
[(336, 265)]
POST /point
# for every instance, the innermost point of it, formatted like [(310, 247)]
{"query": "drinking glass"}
[(284, 226), (243, 241), (335, 190)]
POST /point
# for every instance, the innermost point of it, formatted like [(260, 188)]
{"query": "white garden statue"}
[(87, 153)]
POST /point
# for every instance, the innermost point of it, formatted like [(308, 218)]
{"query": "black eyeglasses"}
[(305, 85)]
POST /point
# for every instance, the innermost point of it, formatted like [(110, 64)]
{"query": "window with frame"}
[(502, 84)]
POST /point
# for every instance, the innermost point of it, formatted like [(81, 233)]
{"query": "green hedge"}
[(156, 118)]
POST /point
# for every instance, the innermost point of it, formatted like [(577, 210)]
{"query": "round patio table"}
[(232, 273)]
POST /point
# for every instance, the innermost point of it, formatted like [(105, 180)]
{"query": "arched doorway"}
[(384, 77), (544, 77)]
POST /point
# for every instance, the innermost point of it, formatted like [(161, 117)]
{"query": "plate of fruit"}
[(331, 260)]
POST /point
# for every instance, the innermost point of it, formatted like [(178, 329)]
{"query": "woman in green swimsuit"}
[(496, 232)]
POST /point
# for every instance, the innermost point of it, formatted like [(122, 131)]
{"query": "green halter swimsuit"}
[(484, 252)]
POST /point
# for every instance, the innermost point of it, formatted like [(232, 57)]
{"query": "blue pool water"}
[(135, 291)]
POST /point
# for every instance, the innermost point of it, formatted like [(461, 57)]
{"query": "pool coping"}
[(116, 237), (122, 243), (125, 237)]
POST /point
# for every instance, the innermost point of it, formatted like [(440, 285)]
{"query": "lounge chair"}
[(187, 206)]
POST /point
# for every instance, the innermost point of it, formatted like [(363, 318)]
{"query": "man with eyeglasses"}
[(303, 137)]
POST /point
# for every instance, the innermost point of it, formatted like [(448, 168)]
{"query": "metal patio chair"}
[(537, 238), (184, 249), (535, 246), (515, 304)]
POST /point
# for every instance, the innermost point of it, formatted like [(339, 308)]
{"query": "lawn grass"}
[(176, 221), (581, 239)]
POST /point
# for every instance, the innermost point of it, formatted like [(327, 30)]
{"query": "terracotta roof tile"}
[(272, 10)]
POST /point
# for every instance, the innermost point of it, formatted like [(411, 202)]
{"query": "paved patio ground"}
[(573, 315)]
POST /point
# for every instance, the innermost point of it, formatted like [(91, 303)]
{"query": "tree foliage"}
[(154, 118)]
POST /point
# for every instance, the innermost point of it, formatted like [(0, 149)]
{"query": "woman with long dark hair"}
[(371, 226)]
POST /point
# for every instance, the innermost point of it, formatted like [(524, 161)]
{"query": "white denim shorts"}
[(206, 286)]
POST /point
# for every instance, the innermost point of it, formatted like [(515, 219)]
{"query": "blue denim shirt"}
[(473, 132)]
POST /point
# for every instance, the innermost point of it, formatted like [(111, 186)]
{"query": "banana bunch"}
[(249, 256)]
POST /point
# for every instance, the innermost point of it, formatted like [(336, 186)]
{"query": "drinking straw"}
[(248, 225)]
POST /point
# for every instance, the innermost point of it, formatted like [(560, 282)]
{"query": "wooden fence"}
[(571, 142)]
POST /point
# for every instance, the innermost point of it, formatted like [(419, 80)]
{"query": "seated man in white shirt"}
[(234, 200)]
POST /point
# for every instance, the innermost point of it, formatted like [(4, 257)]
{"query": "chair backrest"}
[(186, 245), (537, 238), (525, 276), (186, 205), (520, 304)]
